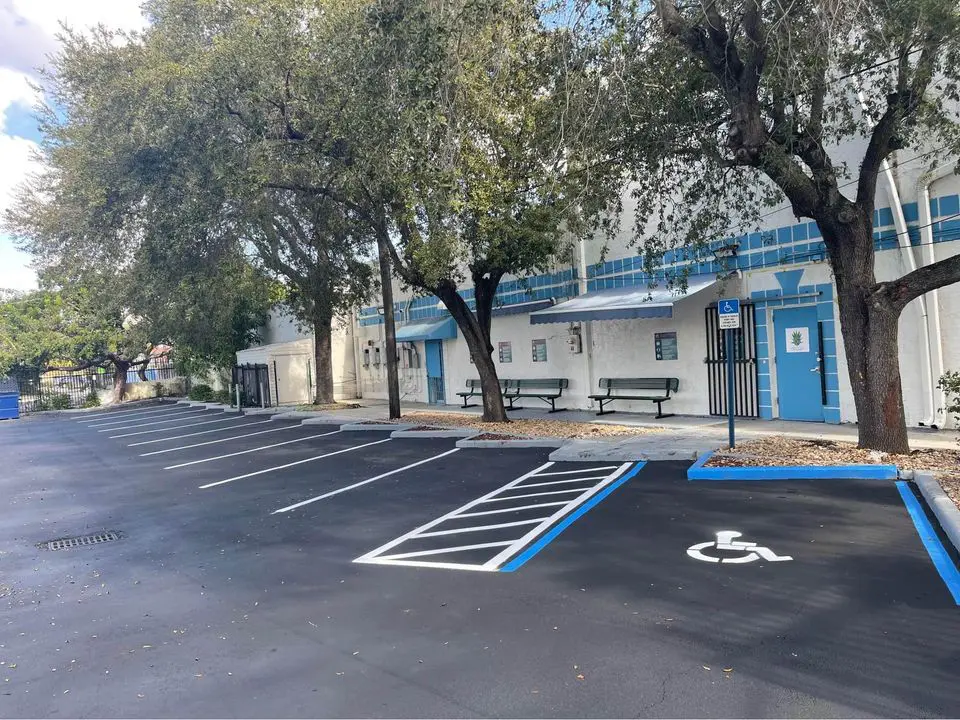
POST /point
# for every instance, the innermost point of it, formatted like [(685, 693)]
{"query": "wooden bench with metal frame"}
[(664, 385), (546, 389)]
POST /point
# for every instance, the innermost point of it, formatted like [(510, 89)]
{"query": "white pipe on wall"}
[(900, 223), (938, 399)]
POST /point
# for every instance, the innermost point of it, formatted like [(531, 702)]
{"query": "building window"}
[(539, 350), (506, 352), (666, 345)]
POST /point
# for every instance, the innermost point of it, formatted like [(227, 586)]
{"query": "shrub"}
[(222, 396), (950, 384), (92, 400), (158, 389), (59, 401), (201, 393)]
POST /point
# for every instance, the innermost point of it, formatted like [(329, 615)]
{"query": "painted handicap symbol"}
[(726, 541)]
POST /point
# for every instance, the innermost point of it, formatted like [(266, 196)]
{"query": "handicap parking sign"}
[(729, 311)]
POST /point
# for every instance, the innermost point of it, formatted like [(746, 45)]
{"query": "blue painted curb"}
[(697, 471)]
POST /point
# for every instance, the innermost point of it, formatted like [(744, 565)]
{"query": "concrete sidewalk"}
[(684, 437)]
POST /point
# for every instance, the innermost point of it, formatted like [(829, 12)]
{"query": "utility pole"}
[(389, 326)]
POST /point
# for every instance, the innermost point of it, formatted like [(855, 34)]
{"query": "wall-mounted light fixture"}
[(725, 252)]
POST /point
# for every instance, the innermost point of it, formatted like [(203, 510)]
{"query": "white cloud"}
[(27, 35), (80, 14)]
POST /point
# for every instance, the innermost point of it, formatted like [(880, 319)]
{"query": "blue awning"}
[(520, 308), (435, 330), (626, 303)]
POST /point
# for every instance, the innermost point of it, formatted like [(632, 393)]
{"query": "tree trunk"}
[(323, 358), (870, 330), (142, 372), (477, 335), (120, 369), (389, 325)]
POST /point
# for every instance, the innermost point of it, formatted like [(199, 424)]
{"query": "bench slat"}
[(664, 384)]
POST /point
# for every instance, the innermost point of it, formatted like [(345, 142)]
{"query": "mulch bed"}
[(495, 436), (532, 428), (780, 451)]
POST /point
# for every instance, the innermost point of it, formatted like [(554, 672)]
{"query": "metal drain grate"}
[(67, 543)]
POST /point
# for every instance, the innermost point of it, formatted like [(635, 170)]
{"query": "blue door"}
[(434, 352), (798, 363)]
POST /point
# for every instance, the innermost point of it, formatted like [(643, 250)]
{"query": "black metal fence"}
[(63, 389), (254, 383), (746, 401)]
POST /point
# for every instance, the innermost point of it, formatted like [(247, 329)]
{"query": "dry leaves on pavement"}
[(535, 428)]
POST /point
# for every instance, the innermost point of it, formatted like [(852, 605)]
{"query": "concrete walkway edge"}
[(943, 507)]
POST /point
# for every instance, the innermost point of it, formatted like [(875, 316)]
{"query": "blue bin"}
[(9, 405)]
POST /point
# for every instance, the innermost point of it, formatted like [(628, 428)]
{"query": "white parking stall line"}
[(440, 551), (167, 418), (121, 413), (480, 528), (167, 429), (500, 511), (250, 450), (577, 472), (563, 482), (530, 495), (386, 554), (204, 432), (136, 417), (363, 482), (292, 464)]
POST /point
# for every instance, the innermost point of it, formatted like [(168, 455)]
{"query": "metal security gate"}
[(746, 401), (254, 383)]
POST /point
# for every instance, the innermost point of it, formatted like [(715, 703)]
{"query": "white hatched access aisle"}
[(493, 532)]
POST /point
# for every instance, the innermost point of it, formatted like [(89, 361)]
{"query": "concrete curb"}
[(569, 453), (433, 433), (697, 471), (296, 415), (522, 443), (943, 507), (375, 427), (329, 420)]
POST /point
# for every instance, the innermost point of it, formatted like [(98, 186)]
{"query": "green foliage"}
[(201, 393), (714, 127), (950, 384), (91, 401), (223, 397), (59, 401), (158, 390)]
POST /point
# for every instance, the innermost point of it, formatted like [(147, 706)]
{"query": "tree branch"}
[(901, 105), (922, 280)]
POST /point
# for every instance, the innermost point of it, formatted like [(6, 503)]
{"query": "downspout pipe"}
[(928, 379), (938, 398)]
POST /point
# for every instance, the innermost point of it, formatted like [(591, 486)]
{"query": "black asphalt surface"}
[(212, 606)]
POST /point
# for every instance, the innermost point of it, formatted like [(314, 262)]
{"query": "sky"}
[(28, 31)]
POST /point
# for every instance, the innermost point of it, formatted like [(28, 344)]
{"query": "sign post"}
[(729, 311)]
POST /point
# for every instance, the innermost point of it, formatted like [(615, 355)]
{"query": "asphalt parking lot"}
[(271, 569)]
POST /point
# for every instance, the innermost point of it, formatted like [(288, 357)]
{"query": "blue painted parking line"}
[(540, 544), (928, 536), (552, 516)]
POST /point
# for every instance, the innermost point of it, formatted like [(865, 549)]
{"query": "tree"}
[(51, 330), (154, 151), (725, 106), (471, 161)]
